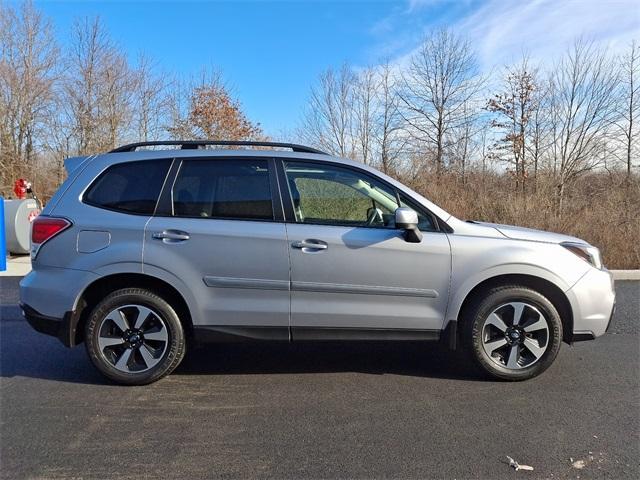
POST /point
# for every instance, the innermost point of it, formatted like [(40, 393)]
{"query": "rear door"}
[(219, 230), (353, 275)]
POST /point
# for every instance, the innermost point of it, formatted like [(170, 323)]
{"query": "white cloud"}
[(501, 30)]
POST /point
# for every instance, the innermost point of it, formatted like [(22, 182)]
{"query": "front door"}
[(221, 239), (353, 275)]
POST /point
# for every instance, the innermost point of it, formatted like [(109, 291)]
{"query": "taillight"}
[(45, 228)]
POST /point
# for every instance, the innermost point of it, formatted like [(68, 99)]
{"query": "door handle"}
[(171, 236), (310, 244)]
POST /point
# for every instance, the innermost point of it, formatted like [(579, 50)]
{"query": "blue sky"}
[(271, 52)]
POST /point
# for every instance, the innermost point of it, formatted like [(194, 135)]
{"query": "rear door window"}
[(233, 189), (131, 187)]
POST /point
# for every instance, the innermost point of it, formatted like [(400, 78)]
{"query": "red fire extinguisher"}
[(20, 188)]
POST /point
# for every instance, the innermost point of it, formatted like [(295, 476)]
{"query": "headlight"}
[(588, 253)]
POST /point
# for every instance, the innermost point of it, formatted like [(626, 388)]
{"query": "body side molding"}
[(268, 284), (255, 283), (362, 289)]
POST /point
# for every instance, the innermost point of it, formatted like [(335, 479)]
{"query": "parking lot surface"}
[(320, 410)]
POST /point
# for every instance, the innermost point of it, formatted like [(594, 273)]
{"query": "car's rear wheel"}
[(513, 332), (134, 337)]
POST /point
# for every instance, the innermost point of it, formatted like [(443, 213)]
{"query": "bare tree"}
[(364, 109), (583, 106), (630, 106), (328, 119), (179, 100), (390, 132), (118, 98), (441, 81), (484, 149), (98, 93), (539, 141), (151, 100), (82, 87), (465, 142), (28, 57), (357, 115), (59, 143), (515, 108)]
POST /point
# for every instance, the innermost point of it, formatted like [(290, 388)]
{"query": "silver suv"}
[(156, 244)]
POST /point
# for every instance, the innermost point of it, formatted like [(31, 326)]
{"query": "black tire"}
[(173, 348), (500, 297)]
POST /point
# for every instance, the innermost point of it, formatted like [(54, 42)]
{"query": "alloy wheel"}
[(515, 335), (133, 338)]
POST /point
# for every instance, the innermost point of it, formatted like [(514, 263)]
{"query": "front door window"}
[(331, 195)]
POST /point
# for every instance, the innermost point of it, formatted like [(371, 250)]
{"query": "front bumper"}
[(593, 301), (56, 327), (583, 336)]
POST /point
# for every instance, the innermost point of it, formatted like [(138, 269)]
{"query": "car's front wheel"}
[(134, 337), (513, 332)]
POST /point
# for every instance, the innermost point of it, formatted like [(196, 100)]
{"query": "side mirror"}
[(407, 219)]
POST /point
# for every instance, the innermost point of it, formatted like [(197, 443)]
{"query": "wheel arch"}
[(106, 284), (544, 286)]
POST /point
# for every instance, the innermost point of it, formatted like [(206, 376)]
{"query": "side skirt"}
[(216, 333), (299, 334), (238, 333)]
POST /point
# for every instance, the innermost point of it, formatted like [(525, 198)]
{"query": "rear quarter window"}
[(131, 187)]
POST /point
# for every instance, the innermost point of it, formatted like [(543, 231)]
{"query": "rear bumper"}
[(56, 327), (53, 291), (593, 301), (49, 296)]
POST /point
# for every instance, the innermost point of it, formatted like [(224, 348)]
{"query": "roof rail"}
[(195, 144)]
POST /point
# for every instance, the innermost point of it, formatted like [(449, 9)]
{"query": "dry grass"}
[(601, 208)]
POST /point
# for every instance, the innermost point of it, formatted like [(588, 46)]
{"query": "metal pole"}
[(3, 239)]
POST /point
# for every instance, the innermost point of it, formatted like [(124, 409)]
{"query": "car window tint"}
[(131, 187), (332, 195), (236, 189)]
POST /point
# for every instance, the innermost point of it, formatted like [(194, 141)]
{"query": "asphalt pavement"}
[(320, 411)]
